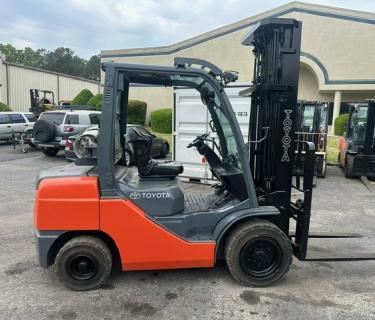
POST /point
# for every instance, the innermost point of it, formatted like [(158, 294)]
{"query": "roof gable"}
[(314, 9)]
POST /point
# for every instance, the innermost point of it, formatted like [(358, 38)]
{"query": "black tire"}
[(322, 168), (167, 148), (164, 150), (348, 170), (50, 152), (84, 263), (44, 131), (339, 160), (258, 253), (32, 145), (128, 158)]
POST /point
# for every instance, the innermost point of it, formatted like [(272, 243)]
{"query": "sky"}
[(88, 26)]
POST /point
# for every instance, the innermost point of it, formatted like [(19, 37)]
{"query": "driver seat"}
[(148, 168)]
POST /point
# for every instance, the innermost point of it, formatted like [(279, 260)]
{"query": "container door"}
[(191, 118)]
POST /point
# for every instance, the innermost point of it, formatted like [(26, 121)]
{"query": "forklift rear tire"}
[(84, 263), (50, 152), (258, 253)]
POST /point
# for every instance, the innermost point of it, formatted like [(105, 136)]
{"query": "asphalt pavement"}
[(311, 290)]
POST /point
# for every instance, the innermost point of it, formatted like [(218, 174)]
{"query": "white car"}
[(17, 123)]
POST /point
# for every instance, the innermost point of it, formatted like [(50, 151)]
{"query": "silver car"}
[(53, 128), (15, 123)]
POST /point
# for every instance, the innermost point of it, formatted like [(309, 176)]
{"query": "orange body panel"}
[(144, 245), (343, 144), (70, 203)]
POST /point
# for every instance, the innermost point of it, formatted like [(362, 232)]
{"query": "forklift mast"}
[(369, 143), (274, 148), (276, 52), (272, 141)]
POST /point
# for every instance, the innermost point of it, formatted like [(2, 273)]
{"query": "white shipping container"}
[(191, 118)]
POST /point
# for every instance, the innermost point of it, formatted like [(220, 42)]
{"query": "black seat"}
[(147, 167)]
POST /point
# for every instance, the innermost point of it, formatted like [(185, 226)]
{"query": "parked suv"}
[(53, 128), (17, 122)]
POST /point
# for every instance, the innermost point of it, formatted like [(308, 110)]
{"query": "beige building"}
[(337, 54), (17, 80)]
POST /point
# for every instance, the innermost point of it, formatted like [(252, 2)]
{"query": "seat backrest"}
[(142, 142)]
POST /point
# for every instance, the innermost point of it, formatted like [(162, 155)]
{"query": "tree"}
[(65, 61), (62, 60), (92, 70)]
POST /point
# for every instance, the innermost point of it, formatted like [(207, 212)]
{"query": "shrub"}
[(96, 101), (99, 105), (340, 123), (4, 107), (161, 120), (137, 112), (82, 98)]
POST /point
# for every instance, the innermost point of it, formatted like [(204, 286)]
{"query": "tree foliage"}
[(4, 107), (340, 124), (137, 112), (96, 101), (62, 60), (82, 97), (161, 120)]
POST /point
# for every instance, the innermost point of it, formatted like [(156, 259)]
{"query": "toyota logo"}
[(135, 195)]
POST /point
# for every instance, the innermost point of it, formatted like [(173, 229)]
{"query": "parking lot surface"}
[(311, 290)]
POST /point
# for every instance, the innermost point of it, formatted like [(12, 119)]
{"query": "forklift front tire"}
[(258, 253), (348, 170), (322, 168), (84, 263)]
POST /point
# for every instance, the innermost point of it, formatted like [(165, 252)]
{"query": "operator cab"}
[(153, 185)]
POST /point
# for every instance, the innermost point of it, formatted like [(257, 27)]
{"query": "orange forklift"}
[(98, 212)]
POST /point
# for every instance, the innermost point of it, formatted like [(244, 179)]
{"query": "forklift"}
[(99, 213), (40, 101), (312, 125), (357, 146)]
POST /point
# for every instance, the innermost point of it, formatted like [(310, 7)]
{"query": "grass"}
[(332, 149)]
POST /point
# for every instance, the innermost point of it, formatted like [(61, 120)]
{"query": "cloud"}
[(89, 26)]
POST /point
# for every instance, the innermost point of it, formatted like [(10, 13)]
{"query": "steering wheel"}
[(197, 140)]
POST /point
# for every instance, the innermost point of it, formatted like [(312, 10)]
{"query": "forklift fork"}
[(302, 217)]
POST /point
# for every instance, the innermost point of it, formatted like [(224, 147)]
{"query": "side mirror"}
[(212, 126), (153, 135)]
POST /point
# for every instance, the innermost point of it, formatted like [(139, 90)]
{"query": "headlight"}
[(86, 145)]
